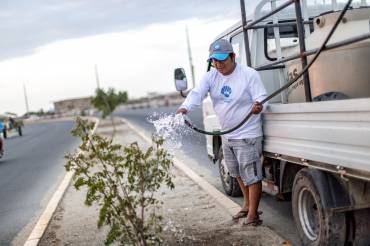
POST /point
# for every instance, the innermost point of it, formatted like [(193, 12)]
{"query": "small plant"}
[(122, 181), (107, 101)]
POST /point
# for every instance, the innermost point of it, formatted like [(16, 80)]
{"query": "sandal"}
[(243, 214), (240, 214), (256, 222)]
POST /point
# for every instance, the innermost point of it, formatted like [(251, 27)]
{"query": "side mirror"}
[(181, 83)]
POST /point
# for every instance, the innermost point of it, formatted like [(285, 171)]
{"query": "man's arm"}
[(195, 97), (258, 93)]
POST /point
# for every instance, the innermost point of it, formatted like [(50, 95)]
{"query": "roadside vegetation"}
[(39, 113), (107, 101), (122, 181)]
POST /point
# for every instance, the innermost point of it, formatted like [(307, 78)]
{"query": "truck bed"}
[(330, 132)]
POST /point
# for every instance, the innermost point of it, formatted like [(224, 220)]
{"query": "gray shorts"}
[(243, 158)]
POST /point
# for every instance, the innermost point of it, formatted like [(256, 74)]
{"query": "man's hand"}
[(257, 108), (181, 111)]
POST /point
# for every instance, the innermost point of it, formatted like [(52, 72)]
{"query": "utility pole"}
[(97, 77), (190, 57), (25, 98)]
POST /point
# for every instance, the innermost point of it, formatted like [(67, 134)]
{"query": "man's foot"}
[(243, 214), (252, 222), (240, 214)]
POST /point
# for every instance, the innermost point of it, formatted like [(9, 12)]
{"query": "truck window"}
[(288, 40), (237, 42)]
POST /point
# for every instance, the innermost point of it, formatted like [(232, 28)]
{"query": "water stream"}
[(171, 127)]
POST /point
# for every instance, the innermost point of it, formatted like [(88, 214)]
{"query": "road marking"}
[(43, 222), (230, 206)]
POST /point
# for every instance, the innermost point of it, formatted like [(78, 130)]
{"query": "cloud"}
[(138, 61), (26, 25)]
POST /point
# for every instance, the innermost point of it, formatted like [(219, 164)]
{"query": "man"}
[(235, 90)]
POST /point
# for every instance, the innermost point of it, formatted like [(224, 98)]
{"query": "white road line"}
[(230, 206), (43, 222)]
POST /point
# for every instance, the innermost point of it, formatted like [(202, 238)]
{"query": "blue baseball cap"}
[(220, 50)]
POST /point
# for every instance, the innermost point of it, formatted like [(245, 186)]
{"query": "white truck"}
[(316, 146)]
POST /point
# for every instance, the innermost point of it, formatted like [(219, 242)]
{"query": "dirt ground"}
[(196, 219), (191, 216)]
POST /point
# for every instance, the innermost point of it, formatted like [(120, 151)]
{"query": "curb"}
[(43, 222), (230, 206)]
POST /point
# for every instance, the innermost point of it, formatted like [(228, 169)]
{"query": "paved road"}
[(277, 215), (30, 171)]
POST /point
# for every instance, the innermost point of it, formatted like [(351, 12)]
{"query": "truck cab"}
[(316, 146)]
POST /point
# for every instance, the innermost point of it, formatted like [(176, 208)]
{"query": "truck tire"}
[(361, 227), (329, 96), (315, 225), (230, 184)]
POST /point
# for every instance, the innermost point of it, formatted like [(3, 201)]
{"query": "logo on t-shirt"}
[(226, 92)]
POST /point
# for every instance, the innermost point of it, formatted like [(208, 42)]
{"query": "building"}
[(154, 100), (74, 106)]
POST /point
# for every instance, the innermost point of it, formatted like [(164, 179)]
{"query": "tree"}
[(41, 112), (122, 181), (107, 101)]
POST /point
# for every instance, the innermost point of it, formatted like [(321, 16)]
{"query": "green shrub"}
[(107, 101), (122, 181)]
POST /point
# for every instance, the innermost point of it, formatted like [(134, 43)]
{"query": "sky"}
[(51, 47)]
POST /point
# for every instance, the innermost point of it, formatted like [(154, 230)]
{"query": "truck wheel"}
[(20, 131), (230, 184), (5, 135), (315, 225), (361, 227)]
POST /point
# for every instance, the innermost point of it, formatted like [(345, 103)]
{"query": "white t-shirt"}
[(232, 97)]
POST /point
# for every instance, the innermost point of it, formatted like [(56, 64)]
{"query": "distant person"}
[(1, 126), (12, 123), (235, 90)]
